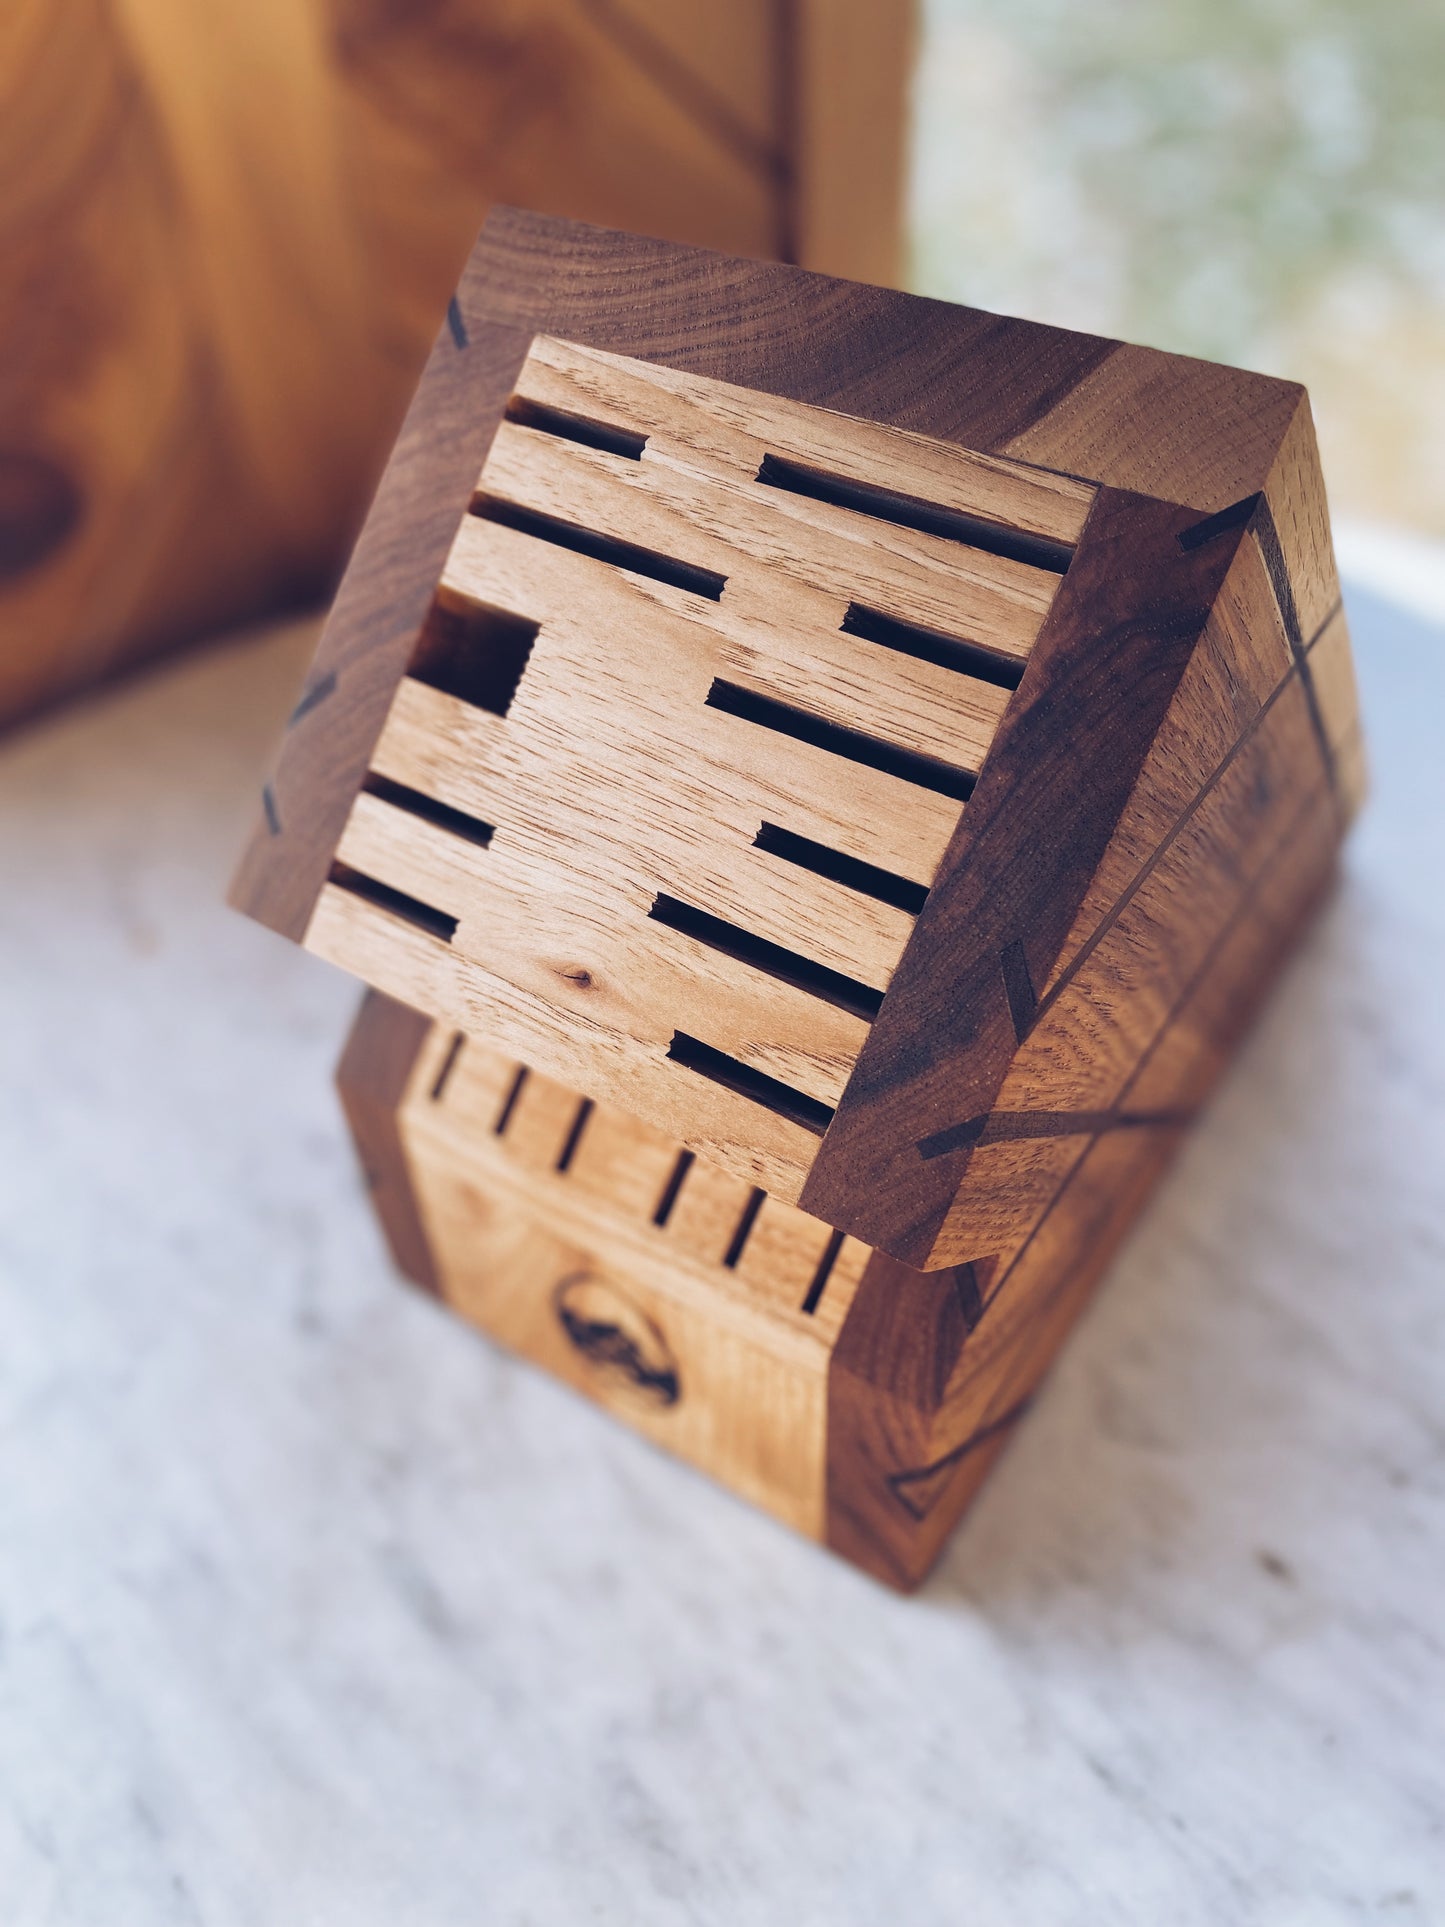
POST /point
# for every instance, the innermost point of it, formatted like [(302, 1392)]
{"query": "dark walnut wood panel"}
[(372, 1078), (373, 628), (905, 1455), (1100, 681)]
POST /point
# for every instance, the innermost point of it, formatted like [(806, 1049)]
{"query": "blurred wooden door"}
[(227, 233)]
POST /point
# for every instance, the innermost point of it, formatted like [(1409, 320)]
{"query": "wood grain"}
[(687, 406), (373, 1076), (229, 239), (903, 1467), (876, 1434), (968, 379), (619, 896), (543, 1212), (953, 1014), (1106, 667)]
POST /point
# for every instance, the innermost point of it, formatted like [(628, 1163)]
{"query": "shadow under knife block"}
[(882, 749)]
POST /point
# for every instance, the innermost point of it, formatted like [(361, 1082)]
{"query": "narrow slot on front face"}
[(768, 713), (914, 512), (396, 903), (771, 958), (744, 1227), (574, 1136), (602, 548), (509, 1102), (473, 652), (675, 1181), (449, 1064), (561, 422), (823, 1273), (931, 645), (733, 1075), (416, 803), (866, 878)]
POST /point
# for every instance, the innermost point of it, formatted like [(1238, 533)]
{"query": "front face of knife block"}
[(693, 1306), (706, 684)]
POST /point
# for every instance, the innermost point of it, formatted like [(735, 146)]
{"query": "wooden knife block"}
[(867, 754)]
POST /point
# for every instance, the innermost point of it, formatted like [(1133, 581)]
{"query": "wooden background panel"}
[(227, 236)]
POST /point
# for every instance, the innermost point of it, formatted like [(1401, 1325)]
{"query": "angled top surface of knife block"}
[(840, 728)]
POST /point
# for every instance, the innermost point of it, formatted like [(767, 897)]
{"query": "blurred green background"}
[(1256, 181)]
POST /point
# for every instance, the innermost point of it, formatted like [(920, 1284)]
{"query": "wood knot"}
[(576, 974), (618, 1339), (40, 506)]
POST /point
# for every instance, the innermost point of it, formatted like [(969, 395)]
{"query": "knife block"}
[(880, 752)]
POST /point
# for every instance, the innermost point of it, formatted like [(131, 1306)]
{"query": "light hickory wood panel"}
[(637, 985), (612, 714), (623, 1160), (651, 682), (462, 756), (784, 1250), (770, 543), (779, 634), (538, 1120), (724, 431), (402, 962)]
